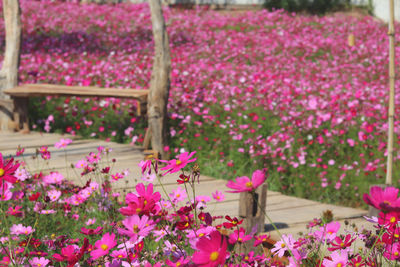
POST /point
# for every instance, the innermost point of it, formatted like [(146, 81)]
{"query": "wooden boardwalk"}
[(291, 214)]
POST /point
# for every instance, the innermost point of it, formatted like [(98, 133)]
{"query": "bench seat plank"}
[(32, 90), (20, 96)]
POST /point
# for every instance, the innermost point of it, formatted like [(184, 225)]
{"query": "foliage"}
[(311, 6)]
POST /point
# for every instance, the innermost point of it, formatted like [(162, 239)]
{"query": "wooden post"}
[(252, 213), (160, 81), (9, 70), (392, 79)]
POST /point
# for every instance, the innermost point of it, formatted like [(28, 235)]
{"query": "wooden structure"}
[(20, 98), (252, 208)]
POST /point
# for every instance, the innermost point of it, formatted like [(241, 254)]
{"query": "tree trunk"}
[(9, 70), (160, 81)]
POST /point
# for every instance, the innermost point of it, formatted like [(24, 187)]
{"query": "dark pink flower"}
[(239, 236), (7, 170), (211, 250), (177, 164), (383, 199), (244, 184), (103, 246)]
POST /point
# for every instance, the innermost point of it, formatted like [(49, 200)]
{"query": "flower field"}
[(49, 221), (250, 90)]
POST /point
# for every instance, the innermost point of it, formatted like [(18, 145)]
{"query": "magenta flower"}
[(218, 196), (244, 184), (177, 164), (103, 246), (239, 236), (211, 250), (7, 170), (383, 199)]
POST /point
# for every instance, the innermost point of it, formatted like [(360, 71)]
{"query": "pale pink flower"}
[(54, 195), (63, 143), (178, 195), (338, 258), (218, 196)]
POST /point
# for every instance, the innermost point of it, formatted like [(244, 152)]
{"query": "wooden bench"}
[(20, 98)]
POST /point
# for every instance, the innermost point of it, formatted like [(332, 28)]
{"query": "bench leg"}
[(21, 114)]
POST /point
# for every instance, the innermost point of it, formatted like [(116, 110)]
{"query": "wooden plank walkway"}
[(290, 213)]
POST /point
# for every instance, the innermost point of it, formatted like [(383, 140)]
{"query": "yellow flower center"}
[(393, 219), (342, 244), (339, 265), (282, 245), (2, 171), (178, 264), (214, 256), (120, 256), (135, 229), (104, 247), (249, 184), (178, 162)]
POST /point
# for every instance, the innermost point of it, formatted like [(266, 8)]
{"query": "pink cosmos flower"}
[(218, 196), (328, 231), (17, 211), (177, 164), (7, 170), (239, 236), (54, 195), (338, 258), (283, 245), (53, 178), (145, 165), (93, 158), (383, 199), (81, 164), (21, 174), (119, 254), (244, 184), (180, 262), (39, 262), (63, 143), (178, 195), (19, 229), (211, 250), (117, 176), (136, 227), (5, 193), (91, 221), (103, 246)]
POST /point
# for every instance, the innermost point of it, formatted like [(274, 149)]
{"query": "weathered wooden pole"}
[(252, 210), (160, 81), (9, 69), (392, 78)]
